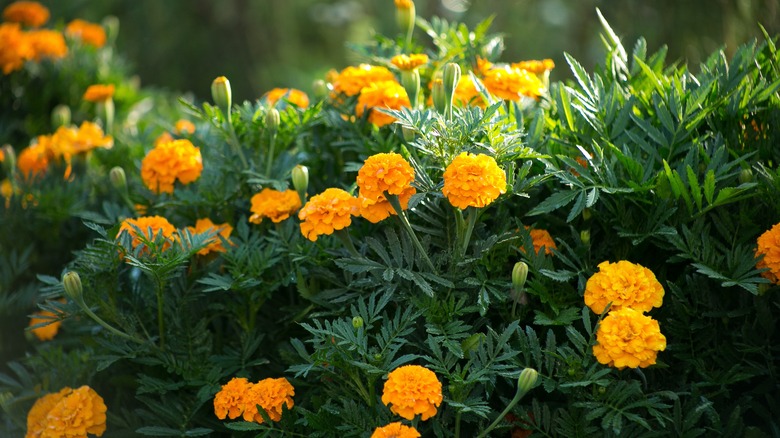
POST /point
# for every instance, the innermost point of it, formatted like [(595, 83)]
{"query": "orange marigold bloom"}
[(329, 211), (230, 401), (352, 80), (541, 238), (184, 127), (512, 83), (385, 95), (165, 137), (46, 332), (47, 44), (271, 395), (168, 162), (409, 62), (205, 225), (412, 390), (624, 284), (376, 210), (150, 226), (769, 246), (274, 205), (7, 191), (385, 173), (466, 93), (535, 66), (627, 338), (33, 160), (78, 413), (31, 14), (395, 430), (89, 33), (15, 47), (36, 418), (297, 97), (99, 93), (473, 181)]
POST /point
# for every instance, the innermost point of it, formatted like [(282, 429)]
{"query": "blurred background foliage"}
[(182, 45)]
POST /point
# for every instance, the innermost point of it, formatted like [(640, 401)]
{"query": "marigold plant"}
[(89, 33), (377, 210), (768, 246), (297, 97), (271, 395), (48, 331), (352, 80), (33, 160), (47, 43), (15, 47), (395, 430), (409, 62), (412, 390), (29, 13), (274, 205), (624, 284), (205, 225), (473, 181), (327, 212), (627, 338), (541, 239), (99, 92), (510, 83), (69, 413), (168, 162), (36, 416), (535, 66), (385, 173), (230, 401), (150, 226), (381, 95), (184, 127)]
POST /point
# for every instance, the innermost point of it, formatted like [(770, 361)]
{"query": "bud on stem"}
[(71, 282), (300, 180), (221, 94), (60, 116)]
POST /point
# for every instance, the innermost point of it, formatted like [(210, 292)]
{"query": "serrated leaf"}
[(554, 202)]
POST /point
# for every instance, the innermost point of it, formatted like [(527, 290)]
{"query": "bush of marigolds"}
[(435, 242)]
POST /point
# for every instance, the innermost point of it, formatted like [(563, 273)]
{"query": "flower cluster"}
[(473, 181), (171, 161), (395, 430), (18, 46), (89, 33), (768, 246), (239, 397), (205, 225), (509, 82), (352, 80), (412, 390), (296, 97), (28, 13), (627, 338), (99, 92), (385, 95), (624, 284), (327, 212), (274, 205), (67, 413)]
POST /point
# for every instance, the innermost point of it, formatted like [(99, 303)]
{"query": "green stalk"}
[(160, 323), (457, 424), (525, 382), (234, 140), (106, 326), (343, 235), (472, 213), (396, 204), (270, 158)]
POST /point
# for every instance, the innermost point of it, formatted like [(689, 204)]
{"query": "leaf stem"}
[(396, 204)]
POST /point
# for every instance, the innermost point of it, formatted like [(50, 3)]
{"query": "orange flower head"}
[(296, 97), (327, 212), (512, 83), (768, 245), (409, 62), (271, 395), (624, 284), (46, 332), (352, 80), (404, 4), (541, 238), (33, 160), (99, 93), (536, 67), (205, 225), (473, 181), (184, 127), (376, 210), (79, 413), (384, 95), (466, 93), (31, 14), (89, 33), (627, 338), (36, 418), (412, 390), (230, 401), (274, 205), (150, 226), (165, 137), (395, 430), (47, 44), (15, 47), (89, 136), (171, 161), (385, 173)]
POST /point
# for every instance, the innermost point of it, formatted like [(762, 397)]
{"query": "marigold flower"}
[(541, 238), (627, 338), (99, 93), (150, 226), (168, 162), (230, 401), (47, 44), (271, 395), (352, 80), (15, 47), (36, 418), (512, 83), (625, 284), (205, 225), (395, 430), (768, 245), (297, 97), (31, 14), (466, 93), (33, 160), (165, 137), (409, 62), (46, 332), (89, 33), (412, 390), (7, 191), (274, 205), (473, 181), (404, 4), (385, 95), (385, 173), (376, 210), (536, 67), (78, 413), (184, 127), (329, 211)]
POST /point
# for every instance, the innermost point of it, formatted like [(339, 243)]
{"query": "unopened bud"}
[(111, 24), (527, 379), (72, 284), (410, 79), (745, 176), (272, 121), (438, 96), (405, 15), (320, 88), (587, 214), (221, 94), (9, 156), (60, 116), (519, 275), (472, 343), (357, 322), (451, 79), (118, 179), (300, 180), (585, 237)]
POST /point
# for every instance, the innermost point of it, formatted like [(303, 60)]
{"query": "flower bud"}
[(272, 121), (72, 284), (410, 79), (300, 180), (527, 379), (405, 15), (111, 24), (519, 275), (451, 79), (221, 94), (745, 176), (357, 322), (9, 156), (320, 88), (585, 237), (118, 179), (60, 116), (438, 96)]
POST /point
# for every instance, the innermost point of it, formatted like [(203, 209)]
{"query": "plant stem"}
[(396, 204), (234, 141), (472, 213), (160, 324), (106, 326), (343, 235), (270, 158), (457, 424), (518, 395)]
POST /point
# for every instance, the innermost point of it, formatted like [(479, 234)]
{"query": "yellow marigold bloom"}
[(205, 225), (627, 338), (15, 47), (535, 66), (466, 93), (46, 332), (89, 33), (625, 284), (36, 418), (412, 390), (385, 173), (150, 226), (274, 205), (31, 14), (230, 401), (168, 162), (385, 95), (541, 238), (395, 430), (512, 83), (352, 80), (297, 97), (33, 160), (271, 395), (99, 93), (77, 414), (409, 62), (473, 181), (769, 246), (327, 212), (184, 127), (376, 210), (47, 44)]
